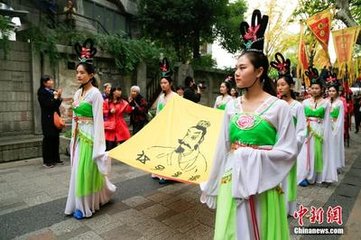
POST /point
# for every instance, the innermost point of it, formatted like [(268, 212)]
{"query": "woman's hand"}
[(57, 94)]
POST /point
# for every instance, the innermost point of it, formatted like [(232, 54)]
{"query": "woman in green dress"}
[(256, 151), (89, 186), (225, 97)]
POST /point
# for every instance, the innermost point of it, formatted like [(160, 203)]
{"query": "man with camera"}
[(192, 91)]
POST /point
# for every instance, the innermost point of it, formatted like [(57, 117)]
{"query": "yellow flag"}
[(344, 41), (179, 143)]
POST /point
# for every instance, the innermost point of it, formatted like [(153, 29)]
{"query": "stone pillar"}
[(142, 78), (35, 78), (184, 70), (79, 7)]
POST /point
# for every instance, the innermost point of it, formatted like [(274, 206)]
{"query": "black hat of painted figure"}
[(253, 36), (85, 51)]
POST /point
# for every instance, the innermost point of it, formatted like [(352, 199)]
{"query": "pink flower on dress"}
[(245, 121)]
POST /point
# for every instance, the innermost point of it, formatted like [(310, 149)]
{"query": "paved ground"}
[(32, 201)]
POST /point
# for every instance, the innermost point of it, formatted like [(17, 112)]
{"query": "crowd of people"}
[(270, 142)]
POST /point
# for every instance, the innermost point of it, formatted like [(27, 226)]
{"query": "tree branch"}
[(344, 14)]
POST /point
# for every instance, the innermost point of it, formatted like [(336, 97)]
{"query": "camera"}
[(202, 85)]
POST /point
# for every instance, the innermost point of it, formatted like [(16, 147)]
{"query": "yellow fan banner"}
[(344, 41), (179, 143)]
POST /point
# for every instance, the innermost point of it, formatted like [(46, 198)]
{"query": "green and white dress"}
[(317, 166), (255, 153), (89, 186), (221, 102), (163, 99)]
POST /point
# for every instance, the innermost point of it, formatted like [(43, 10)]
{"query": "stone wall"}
[(16, 110)]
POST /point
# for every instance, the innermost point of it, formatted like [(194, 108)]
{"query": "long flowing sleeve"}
[(99, 154), (329, 173), (210, 188), (338, 126), (301, 130), (73, 124), (256, 170)]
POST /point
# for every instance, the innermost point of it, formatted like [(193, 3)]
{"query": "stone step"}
[(13, 148)]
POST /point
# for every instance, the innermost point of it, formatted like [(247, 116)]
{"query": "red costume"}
[(118, 131)]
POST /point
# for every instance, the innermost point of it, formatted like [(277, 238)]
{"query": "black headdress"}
[(165, 70), (86, 51), (312, 74), (283, 66), (253, 36), (331, 80)]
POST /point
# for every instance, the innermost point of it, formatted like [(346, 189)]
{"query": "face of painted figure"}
[(332, 92), (165, 85), (316, 90), (191, 140), (49, 84), (283, 89), (82, 75), (246, 74)]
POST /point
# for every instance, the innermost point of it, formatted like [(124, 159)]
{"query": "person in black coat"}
[(189, 90), (49, 100), (138, 116)]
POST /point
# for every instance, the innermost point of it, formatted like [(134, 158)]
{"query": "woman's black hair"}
[(258, 60), (289, 80), (228, 86), (335, 86), (179, 88), (89, 68), (111, 94), (169, 79), (43, 80)]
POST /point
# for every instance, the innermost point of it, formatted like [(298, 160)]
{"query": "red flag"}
[(320, 26)]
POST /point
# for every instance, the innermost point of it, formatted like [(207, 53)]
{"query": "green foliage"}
[(5, 28), (308, 8), (227, 26), (204, 62), (272, 73), (44, 42), (182, 24), (127, 53)]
